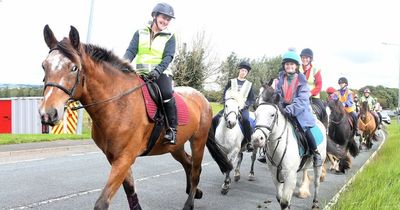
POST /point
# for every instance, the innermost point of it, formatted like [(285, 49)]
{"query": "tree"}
[(193, 67)]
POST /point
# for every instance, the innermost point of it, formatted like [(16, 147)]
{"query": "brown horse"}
[(367, 125), (121, 128)]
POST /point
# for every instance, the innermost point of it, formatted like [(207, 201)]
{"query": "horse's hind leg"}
[(131, 195), (186, 161), (119, 171), (197, 145), (317, 175), (304, 189)]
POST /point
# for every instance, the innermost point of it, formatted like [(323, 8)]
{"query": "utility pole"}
[(88, 38)]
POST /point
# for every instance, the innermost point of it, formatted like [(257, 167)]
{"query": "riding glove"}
[(153, 75)]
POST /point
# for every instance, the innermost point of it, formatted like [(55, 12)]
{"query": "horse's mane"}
[(270, 96), (336, 107), (364, 107), (98, 54)]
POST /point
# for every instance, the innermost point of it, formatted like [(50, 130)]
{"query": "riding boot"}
[(170, 109), (317, 160), (247, 136), (355, 126)]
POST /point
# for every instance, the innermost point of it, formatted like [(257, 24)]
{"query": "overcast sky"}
[(346, 36)]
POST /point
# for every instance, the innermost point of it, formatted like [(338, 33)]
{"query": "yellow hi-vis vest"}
[(311, 78), (242, 93), (150, 52), (344, 99)]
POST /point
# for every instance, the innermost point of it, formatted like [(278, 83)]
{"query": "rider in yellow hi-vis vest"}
[(345, 95), (154, 49)]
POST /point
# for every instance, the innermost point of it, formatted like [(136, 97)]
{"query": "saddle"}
[(304, 149), (155, 111)]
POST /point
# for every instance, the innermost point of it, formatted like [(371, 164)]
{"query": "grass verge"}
[(378, 185)]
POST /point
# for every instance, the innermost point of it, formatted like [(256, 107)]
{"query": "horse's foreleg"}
[(131, 195), (288, 188), (119, 171), (304, 189), (253, 159), (237, 169)]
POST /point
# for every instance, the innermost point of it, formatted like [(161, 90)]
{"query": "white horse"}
[(276, 133), (229, 136)]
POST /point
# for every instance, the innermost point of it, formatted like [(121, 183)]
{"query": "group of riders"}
[(299, 82)]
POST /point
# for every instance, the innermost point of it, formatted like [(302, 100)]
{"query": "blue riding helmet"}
[(163, 8), (291, 56), (343, 80)]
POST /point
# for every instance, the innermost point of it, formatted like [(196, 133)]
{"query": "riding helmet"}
[(291, 56), (343, 80), (245, 65), (367, 90), (307, 52), (163, 8)]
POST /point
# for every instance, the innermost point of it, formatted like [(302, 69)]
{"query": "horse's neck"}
[(102, 88)]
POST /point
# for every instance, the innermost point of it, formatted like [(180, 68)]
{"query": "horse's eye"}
[(272, 115), (43, 67), (74, 68)]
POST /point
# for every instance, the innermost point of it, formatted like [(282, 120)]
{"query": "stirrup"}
[(170, 136), (262, 159)]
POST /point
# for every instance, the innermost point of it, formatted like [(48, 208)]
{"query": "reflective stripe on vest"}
[(311, 79), (344, 99), (150, 52), (243, 92)]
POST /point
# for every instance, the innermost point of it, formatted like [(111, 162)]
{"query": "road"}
[(65, 175)]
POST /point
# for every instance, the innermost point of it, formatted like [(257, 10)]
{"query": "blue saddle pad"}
[(318, 136)]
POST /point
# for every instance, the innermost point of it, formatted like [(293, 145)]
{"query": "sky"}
[(346, 36)]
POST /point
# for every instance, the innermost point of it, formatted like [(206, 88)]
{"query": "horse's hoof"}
[(199, 194), (224, 191), (252, 177), (237, 178)]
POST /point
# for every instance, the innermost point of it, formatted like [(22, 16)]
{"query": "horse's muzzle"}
[(50, 117)]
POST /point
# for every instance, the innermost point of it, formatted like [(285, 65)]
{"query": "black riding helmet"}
[(307, 52), (245, 65), (343, 80), (163, 8)]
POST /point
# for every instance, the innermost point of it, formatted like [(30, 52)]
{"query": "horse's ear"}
[(49, 37), (74, 37), (277, 98), (270, 81)]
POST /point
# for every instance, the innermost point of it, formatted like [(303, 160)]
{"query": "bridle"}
[(237, 114), (70, 92), (267, 136)]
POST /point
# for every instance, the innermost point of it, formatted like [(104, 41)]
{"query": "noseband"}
[(231, 112)]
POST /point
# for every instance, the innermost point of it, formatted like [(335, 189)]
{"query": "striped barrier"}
[(70, 122)]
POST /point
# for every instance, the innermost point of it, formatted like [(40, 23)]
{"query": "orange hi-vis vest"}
[(344, 99), (310, 76)]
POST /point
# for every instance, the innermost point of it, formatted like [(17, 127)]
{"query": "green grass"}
[(216, 107), (378, 185), (27, 138)]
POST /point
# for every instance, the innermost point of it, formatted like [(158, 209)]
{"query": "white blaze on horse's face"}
[(231, 112), (265, 118)]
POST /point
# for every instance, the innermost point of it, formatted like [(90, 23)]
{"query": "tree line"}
[(197, 67)]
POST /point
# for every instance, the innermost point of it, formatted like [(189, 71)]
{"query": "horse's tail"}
[(353, 148), (217, 154)]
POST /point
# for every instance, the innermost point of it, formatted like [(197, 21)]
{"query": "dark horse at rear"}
[(340, 130)]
